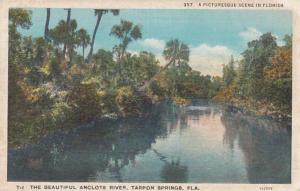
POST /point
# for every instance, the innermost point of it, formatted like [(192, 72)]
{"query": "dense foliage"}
[(262, 80), (52, 84)]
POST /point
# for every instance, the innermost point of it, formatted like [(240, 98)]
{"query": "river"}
[(202, 143)]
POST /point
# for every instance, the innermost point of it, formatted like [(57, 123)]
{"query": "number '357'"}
[(187, 4)]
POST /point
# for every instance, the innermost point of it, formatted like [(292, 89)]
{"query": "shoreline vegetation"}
[(54, 85)]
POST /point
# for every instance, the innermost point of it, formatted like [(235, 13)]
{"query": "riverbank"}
[(64, 118), (256, 108)]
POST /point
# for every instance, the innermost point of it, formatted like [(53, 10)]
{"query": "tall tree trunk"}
[(147, 83), (46, 32), (83, 52), (121, 61), (70, 57), (68, 29), (94, 36)]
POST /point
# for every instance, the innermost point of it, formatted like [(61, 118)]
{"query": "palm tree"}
[(68, 28), (126, 32), (99, 13), (46, 32), (175, 53), (83, 39), (62, 36)]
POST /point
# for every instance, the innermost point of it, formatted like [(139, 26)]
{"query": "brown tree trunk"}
[(68, 25), (94, 36), (46, 32), (83, 52)]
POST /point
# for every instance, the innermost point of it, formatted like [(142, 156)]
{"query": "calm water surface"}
[(204, 142)]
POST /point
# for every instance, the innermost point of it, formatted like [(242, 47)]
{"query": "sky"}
[(212, 35)]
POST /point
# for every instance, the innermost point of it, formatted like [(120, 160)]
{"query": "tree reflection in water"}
[(97, 150), (174, 144), (173, 172), (265, 143)]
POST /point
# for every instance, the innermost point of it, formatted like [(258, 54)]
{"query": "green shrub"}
[(84, 101), (108, 101), (128, 101)]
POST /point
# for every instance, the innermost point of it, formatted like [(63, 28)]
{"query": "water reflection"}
[(77, 155), (266, 146), (200, 143), (174, 172)]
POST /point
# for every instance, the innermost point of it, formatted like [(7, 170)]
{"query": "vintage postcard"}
[(147, 95)]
